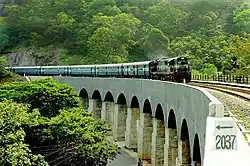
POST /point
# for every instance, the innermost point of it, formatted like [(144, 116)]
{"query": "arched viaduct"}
[(164, 122)]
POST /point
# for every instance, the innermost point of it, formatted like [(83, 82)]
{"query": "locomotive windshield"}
[(182, 61)]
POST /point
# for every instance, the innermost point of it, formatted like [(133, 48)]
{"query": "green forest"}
[(43, 123), (214, 34)]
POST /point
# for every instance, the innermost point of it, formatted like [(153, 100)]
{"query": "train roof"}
[(68, 66), (108, 65), (136, 63), (19, 67)]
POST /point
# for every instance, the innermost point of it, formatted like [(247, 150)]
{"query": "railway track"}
[(240, 91)]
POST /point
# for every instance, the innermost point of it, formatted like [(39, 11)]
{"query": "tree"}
[(70, 136), (4, 61), (242, 20), (13, 150), (113, 38), (46, 94), (167, 17), (80, 138)]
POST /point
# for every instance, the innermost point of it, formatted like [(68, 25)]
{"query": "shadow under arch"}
[(121, 99), (196, 151), (134, 102), (109, 97), (83, 93), (84, 97), (147, 107), (96, 95), (172, 120), (159, 113), (186, 158)]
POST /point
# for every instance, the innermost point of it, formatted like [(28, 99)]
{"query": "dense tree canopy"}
[(51, 128), (110, 31), (45, 94), (13, 150)]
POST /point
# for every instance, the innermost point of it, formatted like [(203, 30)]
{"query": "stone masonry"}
[(183, 158), (158, 141), (108, 113), (131, 129), (170, 147), (145, 129), (85, 103), (119, 124), (96, 107)]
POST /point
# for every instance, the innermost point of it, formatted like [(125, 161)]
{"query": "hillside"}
[(214, 34)]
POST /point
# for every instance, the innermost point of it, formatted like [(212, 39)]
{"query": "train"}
[(175, 69)]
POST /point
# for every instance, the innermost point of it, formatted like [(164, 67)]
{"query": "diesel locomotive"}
[(170, 69)]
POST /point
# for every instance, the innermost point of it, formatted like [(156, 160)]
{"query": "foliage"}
[(45, 94), (110, 31), (13, 150), (66, 137), (83, 138)]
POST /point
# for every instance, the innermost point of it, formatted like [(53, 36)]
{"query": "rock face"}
[(2, 3), (32, 57)]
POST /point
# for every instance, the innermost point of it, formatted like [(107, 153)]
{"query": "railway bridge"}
[(164, 122)]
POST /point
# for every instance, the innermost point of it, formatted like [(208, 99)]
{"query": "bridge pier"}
[(95, 106), (145, 129), (183, 158), (170, 147), (119, 124), (83, 95), (85, 103), (158, 141), (108, 112), (131, 128)]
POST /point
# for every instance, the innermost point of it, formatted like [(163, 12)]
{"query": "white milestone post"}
[(225, 135)]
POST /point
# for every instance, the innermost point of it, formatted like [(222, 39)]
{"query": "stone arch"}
[(147, 107), (122, 99), (185, 144), (83, 95), (171, 140), (96, 104), (158, 137), (196, 151), (109, 97), (96, 95), (134, 102)]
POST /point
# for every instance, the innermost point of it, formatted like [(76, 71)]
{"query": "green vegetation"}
[(211, 32), (43, 123)]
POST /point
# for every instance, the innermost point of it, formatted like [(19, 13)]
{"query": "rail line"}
[(232, 89), (241, 91)]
